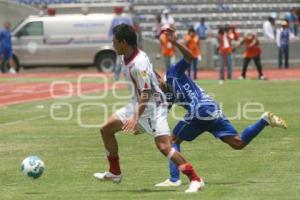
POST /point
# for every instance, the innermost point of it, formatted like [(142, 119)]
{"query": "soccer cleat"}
[(107, 176), (12, 71), (242, 78), (195, 186), (273, 120), (168, 183)]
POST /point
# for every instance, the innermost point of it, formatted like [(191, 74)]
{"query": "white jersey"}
[(139, 73)]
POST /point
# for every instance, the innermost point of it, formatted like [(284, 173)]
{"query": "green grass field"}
[(269, 168)]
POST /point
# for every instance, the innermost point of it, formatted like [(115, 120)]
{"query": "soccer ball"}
[(33, 167)]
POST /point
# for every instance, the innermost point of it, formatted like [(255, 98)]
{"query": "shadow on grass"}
[(235, 182), (143, 190)]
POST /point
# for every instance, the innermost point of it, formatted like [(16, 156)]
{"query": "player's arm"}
[(185, 52), (143, 84), (255, 41), (238, 45)]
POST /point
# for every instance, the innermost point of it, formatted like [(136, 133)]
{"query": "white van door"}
[(29, 44)]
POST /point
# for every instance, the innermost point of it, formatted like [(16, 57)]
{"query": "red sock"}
[(188, 170), (114, 166)]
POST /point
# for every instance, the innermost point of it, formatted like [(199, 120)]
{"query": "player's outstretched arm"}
[(186, 53)]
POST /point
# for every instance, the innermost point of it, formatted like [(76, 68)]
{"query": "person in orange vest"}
[(225, 52), (167, 48), (193, 44), (252, 51)]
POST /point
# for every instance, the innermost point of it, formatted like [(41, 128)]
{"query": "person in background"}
[(167, 48), (283, 36), (193, 44), (118, 19), (157, 31), (166, 19), (293, 21), (269, 29), (157, 26), (235, 36), (202, 29), (233, 33), (225, 53), (6, 51), (252, 51)]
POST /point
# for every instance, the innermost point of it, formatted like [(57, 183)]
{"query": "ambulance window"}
[(32, 29)]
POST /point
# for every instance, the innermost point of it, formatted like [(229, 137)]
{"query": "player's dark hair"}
[(125, 32)]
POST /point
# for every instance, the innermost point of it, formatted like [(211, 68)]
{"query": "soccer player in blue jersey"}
[(203, 113)]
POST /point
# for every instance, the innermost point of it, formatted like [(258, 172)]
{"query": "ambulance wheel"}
[(105, 62)]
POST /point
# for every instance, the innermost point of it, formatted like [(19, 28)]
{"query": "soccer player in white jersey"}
[(147, 111)]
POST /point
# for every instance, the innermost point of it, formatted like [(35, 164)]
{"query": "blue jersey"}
[(187, 93), (5, 39)]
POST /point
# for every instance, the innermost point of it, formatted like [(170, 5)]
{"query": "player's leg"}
[(163, 143), (113, 125), (185, 130), (223, 129), (286, 57), (159, 128), (11, 62), (258, 65), (234, 141), (221, 66), (108, 131), (229, 66), (268, 118), (280, 52), (174, 179), (195, 68), (246, 62)]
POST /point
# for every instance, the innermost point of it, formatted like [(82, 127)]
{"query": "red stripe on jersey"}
[(146, 86), (128, 60)]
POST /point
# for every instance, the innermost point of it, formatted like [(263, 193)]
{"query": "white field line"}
[(22, 121), (10, 96), (40, 117)]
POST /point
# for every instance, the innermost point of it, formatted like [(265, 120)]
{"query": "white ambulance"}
[(66, 40)]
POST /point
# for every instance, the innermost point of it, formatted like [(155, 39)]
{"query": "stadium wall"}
[(14, 12)]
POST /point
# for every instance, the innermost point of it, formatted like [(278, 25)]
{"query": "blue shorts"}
[(189, 129), (6, 53)]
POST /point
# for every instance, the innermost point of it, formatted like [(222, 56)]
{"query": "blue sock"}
[(253, 130), (174, 172)]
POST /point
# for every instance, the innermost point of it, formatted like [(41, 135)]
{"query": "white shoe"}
[(262, 78), (12, 71), (107, 176), (273, 120), (242, 78), (195, 186), (168, 183)]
